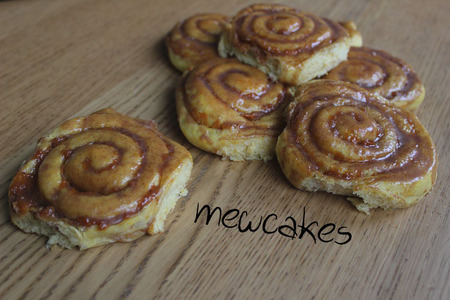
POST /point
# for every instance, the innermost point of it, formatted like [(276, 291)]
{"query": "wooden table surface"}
[(60, 59)]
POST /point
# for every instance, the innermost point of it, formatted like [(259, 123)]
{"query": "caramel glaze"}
[(265, 109), (182, 38), (412, 158), (385, 86), (25, 195), (207, 79), (246, 36)]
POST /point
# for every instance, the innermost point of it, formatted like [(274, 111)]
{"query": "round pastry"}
[(195, 40), (289, 45), (381, 74), (99, 179), (231, 109), (342, 139)]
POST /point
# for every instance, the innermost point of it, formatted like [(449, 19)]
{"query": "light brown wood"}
[(60, 59)]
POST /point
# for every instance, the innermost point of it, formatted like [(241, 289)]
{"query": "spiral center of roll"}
[(203, 29), (351, 133), (210, 26), (245, 84), (88, 161), (284, 24), (364, 74), (94, 157), (356, 127)]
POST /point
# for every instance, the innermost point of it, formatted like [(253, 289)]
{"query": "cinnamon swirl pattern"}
[(195, 40), (342, 139), (99, 179), (290, 46), (383, 75), (231, 109)]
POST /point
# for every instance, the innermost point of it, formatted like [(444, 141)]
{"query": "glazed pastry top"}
[(345, 132), (95, 170), (196, 38), (225, 93), (380, 73), (279, 30)]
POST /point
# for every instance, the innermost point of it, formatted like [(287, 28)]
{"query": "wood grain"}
[(60, 59)]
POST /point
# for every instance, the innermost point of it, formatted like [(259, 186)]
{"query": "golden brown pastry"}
[(383, 75), (342, 139), (231, 109), (289, 45), (99, 179), (195, 40), (355, 35)]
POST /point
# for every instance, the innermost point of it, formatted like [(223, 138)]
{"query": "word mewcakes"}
[(270, 224)]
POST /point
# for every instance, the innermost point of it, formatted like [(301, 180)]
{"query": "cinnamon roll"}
[(195, 40), (383, 75), (231, 109), (289, 45), (342, 139), (99, 179)]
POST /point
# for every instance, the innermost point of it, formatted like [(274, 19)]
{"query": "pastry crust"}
[(195, 40), (231, 109), (289, 45), (381, 74), (342, 139), (355, 35), (99, 179)]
